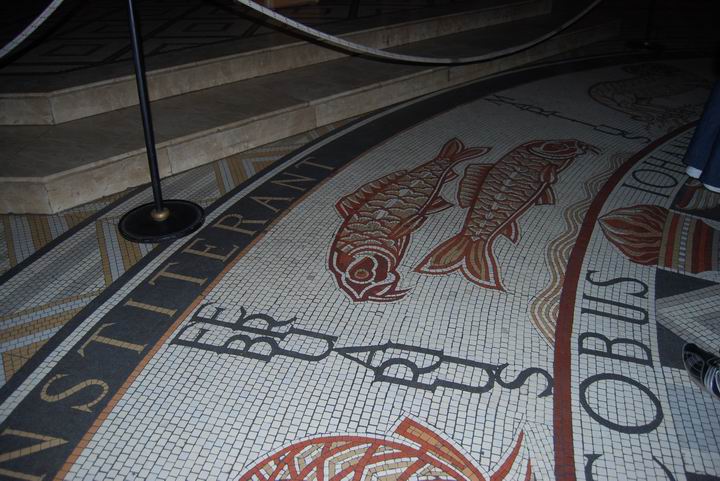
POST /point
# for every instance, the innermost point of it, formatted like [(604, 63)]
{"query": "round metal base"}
[(645, 45), (183, 218)]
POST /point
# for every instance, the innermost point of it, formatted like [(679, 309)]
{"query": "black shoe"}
[(703, 367)]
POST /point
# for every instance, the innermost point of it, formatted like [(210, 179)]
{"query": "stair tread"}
[(39, 151), (11, 83)]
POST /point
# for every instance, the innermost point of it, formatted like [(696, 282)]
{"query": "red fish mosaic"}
[(653, 235), (379, 218), (423, 455), (497, 196)]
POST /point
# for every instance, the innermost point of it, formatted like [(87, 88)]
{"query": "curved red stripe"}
[(562, 407)]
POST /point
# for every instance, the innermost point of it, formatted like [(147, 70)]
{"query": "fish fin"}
[(389, 296), (407, 227), (471, 153), (480, 266), (473, 257), (456, 151), (451, 148), (511, 231), (549, 174), (470, 184), (445, 258), (402, 245), (546, 197), (347, 205), (437, 205), (350, 203)]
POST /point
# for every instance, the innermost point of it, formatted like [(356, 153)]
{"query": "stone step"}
[(48, 100), (51, 168)]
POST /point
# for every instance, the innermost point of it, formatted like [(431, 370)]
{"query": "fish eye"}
[(362, 274)]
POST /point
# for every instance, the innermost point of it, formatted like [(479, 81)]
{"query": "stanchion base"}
[(645, 45), (184, 217)]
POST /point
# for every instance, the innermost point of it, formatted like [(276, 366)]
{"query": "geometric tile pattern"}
[(24, 330), (693, 315)]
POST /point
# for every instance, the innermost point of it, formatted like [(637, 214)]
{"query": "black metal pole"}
[(650, 21), (161, 220), (646, 43), (141, 81)]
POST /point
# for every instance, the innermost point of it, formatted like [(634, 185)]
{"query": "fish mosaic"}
[(379, 218), (497, 195)]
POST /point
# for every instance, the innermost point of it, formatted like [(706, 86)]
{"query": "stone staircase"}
[(71, 138)]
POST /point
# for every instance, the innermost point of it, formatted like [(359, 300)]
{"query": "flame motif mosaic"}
[(423, 455)]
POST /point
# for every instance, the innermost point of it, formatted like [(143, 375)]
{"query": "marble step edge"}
[(64, 105), (64, 190)]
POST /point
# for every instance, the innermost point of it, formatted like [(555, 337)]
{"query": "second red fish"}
[(497, 196)]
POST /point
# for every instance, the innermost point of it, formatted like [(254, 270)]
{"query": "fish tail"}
[(474, 258), (455, 151)]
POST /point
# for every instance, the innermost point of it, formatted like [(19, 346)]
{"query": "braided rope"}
[(382, 54), (27, 31), (333, 40)]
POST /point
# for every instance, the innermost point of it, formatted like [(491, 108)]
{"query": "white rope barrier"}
[(383, 54), (27, 31), (333, 40)]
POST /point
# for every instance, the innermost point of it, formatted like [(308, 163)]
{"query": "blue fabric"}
[(704, 150)]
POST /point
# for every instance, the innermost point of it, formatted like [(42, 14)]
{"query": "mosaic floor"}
[(489, 283)]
